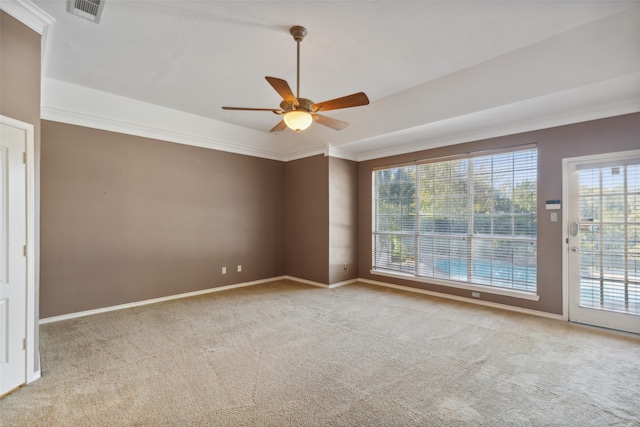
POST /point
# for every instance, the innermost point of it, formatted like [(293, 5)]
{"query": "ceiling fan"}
[(298, 113)]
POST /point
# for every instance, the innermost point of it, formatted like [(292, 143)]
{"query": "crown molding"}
[(614, 97), (500, 131), (307, 152), (77, 105), (29, 14), (340, 154), (73, 104), (129, 128)]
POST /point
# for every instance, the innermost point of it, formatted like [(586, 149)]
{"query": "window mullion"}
[(512, 212), (601, 237), (626, 239), (470, 189), (416, 229)]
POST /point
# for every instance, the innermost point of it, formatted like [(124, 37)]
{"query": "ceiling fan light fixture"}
[(298, 120), (298, 113)]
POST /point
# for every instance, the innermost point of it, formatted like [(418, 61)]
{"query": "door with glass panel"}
[(603, 240)]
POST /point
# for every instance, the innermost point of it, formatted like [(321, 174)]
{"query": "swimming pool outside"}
[(504, 275)]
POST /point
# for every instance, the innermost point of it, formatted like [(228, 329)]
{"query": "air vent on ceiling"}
[(87, 9)]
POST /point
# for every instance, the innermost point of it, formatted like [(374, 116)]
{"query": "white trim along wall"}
[(303, 282), (32, 317)]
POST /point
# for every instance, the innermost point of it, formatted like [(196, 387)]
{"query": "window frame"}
[(414, 273)]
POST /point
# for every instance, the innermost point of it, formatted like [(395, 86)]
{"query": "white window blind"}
[(466, 219), (610, 238)]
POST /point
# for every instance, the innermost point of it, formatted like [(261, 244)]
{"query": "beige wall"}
[(127, 219), (595, 137), (20, 100), (321, 218), (307, 218), (19, 72), (343, 220)]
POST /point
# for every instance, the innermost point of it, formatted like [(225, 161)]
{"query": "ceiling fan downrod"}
[(298, 34)]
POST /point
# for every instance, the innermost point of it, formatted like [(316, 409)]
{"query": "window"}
[(609, 200), (470, 220)]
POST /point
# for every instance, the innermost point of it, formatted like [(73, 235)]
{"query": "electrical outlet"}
[(345, 266), (239, 268), (475, 294), (224, 270)]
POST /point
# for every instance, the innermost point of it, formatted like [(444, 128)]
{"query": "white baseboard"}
[(321, 285), (299, 280), (154, 300), (307, 282), (32, 376), (468, 300), (343, 283)]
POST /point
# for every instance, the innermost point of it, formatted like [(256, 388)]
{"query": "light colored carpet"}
[(283, 354)]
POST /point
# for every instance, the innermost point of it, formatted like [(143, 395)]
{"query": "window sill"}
[(451, 284)]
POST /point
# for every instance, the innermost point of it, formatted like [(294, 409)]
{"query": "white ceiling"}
[(436, 72)]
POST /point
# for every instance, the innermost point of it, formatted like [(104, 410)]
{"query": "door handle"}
[(574, 229), (574, 249)]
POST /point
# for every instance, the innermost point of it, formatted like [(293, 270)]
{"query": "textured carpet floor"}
[(288, 354)]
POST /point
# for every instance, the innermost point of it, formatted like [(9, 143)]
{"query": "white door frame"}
[(32, 373), (565, 215)]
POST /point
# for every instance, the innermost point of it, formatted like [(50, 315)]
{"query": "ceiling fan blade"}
[(279, 127), (330, 122), (282, 87), (275, 110), (354, 100)]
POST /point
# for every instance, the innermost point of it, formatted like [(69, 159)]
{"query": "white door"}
[(13, 260), (603, 240)]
